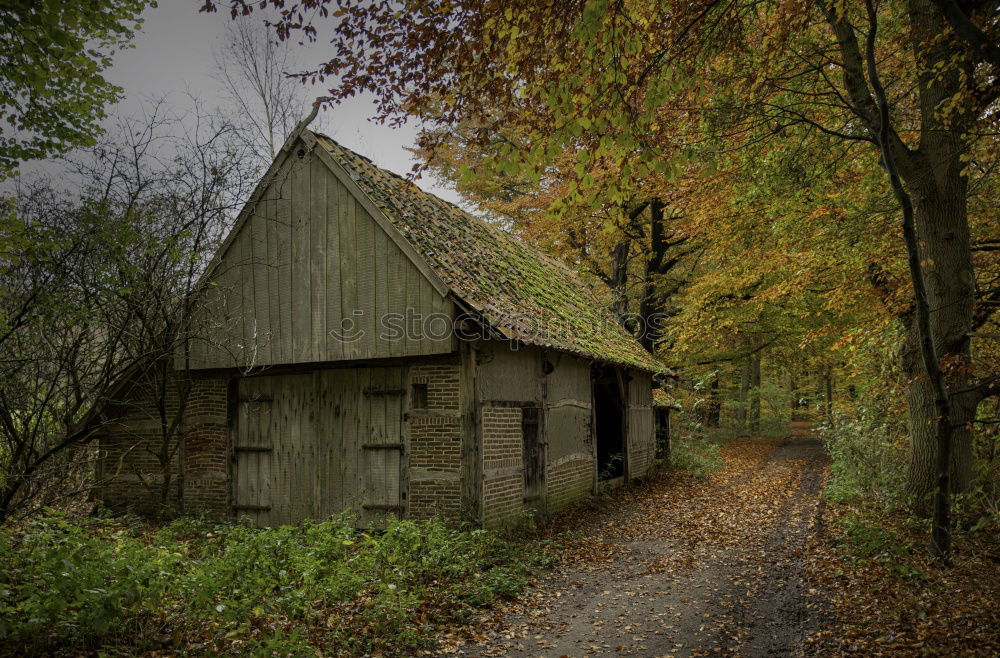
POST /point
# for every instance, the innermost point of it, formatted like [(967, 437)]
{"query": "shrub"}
[(62, 583), (868, 451), (319, 587), (695, 454)]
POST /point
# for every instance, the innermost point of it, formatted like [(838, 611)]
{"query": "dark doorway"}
[(609, 423), (533, 455), (661, 416)]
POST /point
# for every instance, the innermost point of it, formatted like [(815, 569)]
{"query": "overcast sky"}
[(173, 56)]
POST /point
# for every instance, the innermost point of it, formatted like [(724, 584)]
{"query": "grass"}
[(70, 585)]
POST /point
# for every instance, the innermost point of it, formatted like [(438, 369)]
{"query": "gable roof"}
[(522, 293)]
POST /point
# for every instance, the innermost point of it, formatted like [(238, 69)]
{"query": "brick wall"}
[(435, 444), (569, 481), (642, 455), (129, 467), (503, 477), (206, 449)]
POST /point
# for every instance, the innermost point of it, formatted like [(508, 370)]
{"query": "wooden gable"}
[(313, 273)]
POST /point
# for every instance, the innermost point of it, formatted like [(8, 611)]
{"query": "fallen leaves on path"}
[(751, 561), (678, 566)]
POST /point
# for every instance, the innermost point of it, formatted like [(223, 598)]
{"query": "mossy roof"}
[(662, 398), (522, 293)]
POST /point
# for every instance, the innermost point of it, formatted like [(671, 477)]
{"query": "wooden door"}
[(274, 450), (253, 451), (533, 457), (315, 445), (360, 443), (382, 446)]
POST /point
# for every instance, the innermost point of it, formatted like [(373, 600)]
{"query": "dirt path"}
[(682, 567)]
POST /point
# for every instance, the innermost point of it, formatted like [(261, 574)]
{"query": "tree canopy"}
[(53, 92)]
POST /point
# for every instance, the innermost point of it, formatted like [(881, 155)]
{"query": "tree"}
[(637, 248), (52, 91), (95, 291), (652, 88), (253, 67)]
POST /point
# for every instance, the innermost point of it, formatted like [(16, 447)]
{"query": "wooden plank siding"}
[(641, 430), (568, 409), (309, 266), (317, 444)]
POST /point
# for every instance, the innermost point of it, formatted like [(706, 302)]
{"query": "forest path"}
[(681, 566)]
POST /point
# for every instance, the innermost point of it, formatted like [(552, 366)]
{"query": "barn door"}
[(382, 446), (253, 451), (533, 454), (314, 445), (275, 450)]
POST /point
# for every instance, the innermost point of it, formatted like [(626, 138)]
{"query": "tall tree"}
[(253, 67), (52, 90), (94, 287)]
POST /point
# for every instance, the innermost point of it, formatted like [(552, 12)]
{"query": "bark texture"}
[(939, 194)]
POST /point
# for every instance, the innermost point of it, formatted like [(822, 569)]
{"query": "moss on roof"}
[(522, 293), (662, 398)]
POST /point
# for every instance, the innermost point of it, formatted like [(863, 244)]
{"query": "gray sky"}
[(173, 56)]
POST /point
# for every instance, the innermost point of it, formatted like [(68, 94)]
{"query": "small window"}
[(418, 398)]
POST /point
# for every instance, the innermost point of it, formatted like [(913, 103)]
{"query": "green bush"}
[(868, 453), (319, 587), (692, 448), (695, 454)]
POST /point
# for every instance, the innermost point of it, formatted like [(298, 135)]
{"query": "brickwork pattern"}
[(435, 498), (199, 471), (442, 385), (504, 499), (503, 477), (568, 483), (435, 444), (502, 440)]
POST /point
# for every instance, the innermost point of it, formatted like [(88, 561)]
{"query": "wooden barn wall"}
[(641, 430), (315, 444), (570, 463), (509, 375), (508, 380), (309, 261)]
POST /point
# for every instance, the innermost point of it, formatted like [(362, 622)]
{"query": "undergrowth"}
[(868, 457), (68, 586), (696, 454)]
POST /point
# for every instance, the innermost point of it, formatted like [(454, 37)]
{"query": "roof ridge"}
[(527, 294), (518, 241)]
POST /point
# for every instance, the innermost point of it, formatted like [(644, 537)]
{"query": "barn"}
[(359, 344)]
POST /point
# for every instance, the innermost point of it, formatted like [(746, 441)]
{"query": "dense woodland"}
[(792, 204)]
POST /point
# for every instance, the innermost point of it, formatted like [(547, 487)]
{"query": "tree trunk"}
[(793, 398), (741, 411), (619, 279), (714, 402), (754, 394), (650, 304), (828, 402), (942, 225)]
